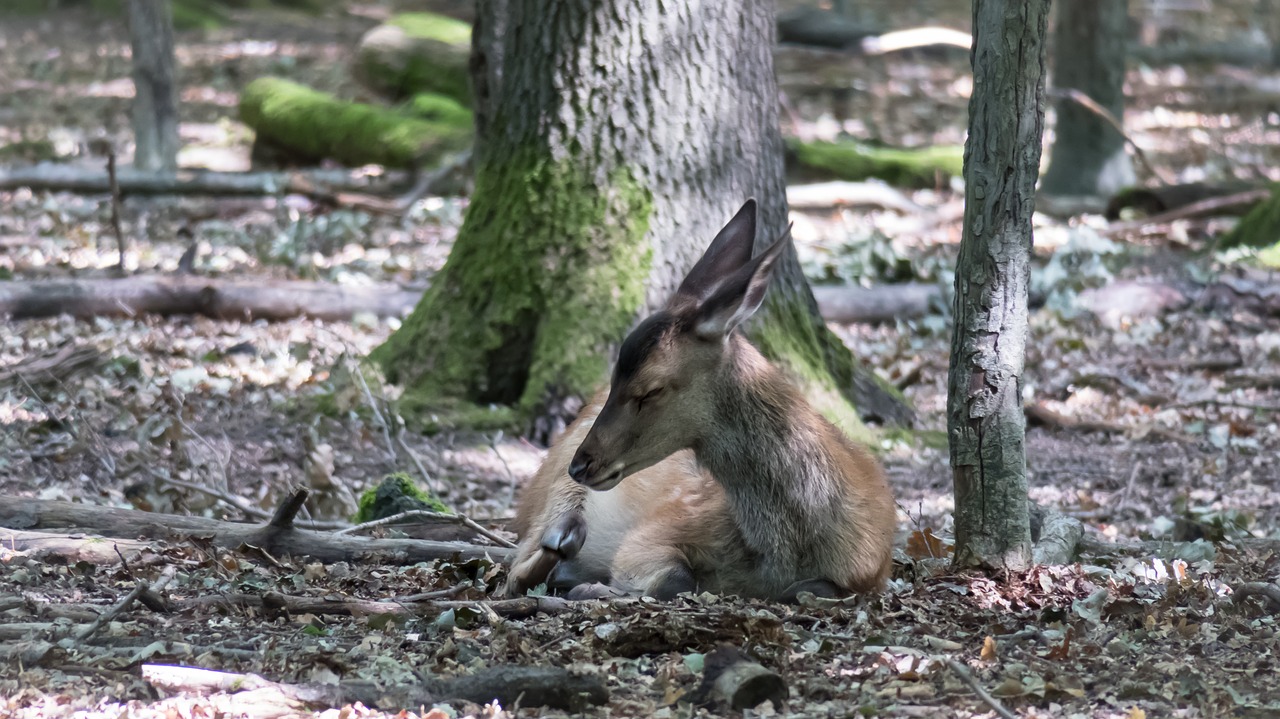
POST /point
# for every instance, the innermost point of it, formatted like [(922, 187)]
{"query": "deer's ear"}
[(739, 296), (728, 252)]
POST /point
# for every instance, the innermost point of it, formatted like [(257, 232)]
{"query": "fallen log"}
[(413, 53), (188, 295), (69, 178), (884, 303), (554, 687), (828, 195), (72, 548), (277, 538), (731, 679)]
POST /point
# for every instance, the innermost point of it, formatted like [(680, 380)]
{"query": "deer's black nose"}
[(580, 466)]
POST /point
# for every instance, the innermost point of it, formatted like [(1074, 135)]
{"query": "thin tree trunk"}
[(155, 104), (625, 133), (985, 423), (1088, 155)]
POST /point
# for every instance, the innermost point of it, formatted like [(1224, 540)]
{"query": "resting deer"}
[(702, 467)]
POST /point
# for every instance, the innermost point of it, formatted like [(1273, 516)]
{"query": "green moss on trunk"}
[(857, 161), (549, 269), (316, 125)]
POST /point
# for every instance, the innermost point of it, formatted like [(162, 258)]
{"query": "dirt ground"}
[(1189, 398)]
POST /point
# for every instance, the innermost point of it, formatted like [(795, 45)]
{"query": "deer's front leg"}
[(649, 563), (540, 553)]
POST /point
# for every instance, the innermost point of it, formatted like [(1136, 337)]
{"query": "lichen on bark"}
[(548, 269)]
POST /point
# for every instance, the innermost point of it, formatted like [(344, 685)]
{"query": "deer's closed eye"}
[(647, 396)]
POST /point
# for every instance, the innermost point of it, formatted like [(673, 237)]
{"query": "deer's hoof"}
[(566, 535)]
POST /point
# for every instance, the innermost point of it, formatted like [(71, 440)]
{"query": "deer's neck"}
[(770, 450)]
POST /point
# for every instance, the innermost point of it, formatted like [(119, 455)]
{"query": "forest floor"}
[(1181, 454)]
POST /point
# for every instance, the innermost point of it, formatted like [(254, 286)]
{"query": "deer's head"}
[(674, 362)]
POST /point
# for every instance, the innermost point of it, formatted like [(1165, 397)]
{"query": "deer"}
[(702, 467)]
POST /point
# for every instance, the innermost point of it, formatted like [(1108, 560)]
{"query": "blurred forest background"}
[(196, 344)]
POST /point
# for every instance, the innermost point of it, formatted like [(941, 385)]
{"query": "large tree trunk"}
[(1088, 155), (623, 135), (985, 423), (155, 103)]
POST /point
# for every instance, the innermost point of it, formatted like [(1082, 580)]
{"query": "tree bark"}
[(984, 404), (155, 102), (624, 133), (1088, 156)]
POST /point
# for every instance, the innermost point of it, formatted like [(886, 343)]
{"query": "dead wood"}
[(186, 295), (1270, 592), (1059, 537), (1155, 548), (274, 602), (884, 303), (1179, 202), (553, 687), (35, 514), (1039, 413), (27, 653), (824, 28), (284, 299), (828, 195), (52, 367), (965, 676), (116, 203), (322, 184), (78, 548), (119, 607), (731, 679)]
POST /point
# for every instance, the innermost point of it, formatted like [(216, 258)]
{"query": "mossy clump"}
[(313, 125), (856, 161), (438, 108), (395, 494), (1260, 227), (432, 414), (414, 53), (548, 271)]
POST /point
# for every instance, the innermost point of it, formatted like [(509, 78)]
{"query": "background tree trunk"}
[(155, 104), (985, 423), (623, 135), (1088, 156)]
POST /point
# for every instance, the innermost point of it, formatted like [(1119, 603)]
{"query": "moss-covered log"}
[(313, 125), (415, 53), (1260, 227), (855, 161)]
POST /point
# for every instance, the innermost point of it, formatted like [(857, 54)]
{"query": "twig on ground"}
[(963, 672), (1128, 487), (511, 476), (240, 505), (377, 413), (1224, 403), (165, 577), (427, 514), (116, 202)]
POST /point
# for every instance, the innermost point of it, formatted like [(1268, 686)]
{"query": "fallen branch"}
[(75, 547), (1267, 591), (1195, 209), (35, 514), (51, 367), (553, 687), (1039, 412), (731, 679), (69, 178), (185, 295), (837, 193), (883, 303), (165, 577), (274, 602), (963, 672), (461, 519)]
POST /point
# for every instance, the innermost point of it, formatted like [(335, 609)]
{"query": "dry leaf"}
[(988, 649), (924, 544)]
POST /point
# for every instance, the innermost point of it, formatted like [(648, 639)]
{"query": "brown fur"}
[(710, 461)]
